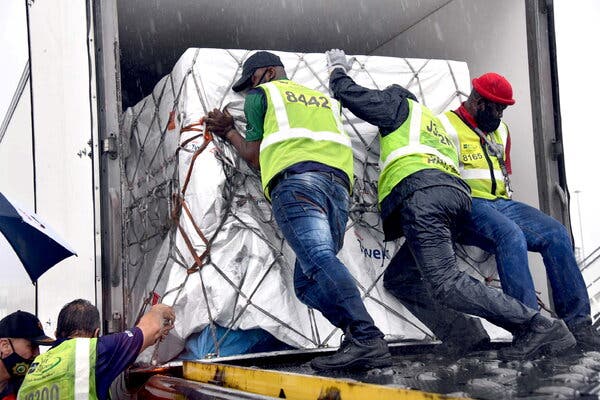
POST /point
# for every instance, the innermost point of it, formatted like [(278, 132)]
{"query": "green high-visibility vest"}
[(300, 125), (419, 143), (478, 168), (67, 371)]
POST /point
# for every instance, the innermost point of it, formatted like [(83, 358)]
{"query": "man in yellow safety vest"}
[(83, 365), (294, 135), (509, 228), (422, 196)]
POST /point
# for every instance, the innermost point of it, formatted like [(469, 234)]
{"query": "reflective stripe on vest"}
[(427, 147), (82, 369), (474, 167), (290, 136)]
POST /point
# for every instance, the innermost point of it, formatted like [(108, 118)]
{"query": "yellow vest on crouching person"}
[(300, 125), (67, 371), (480, 169), (419, 143)]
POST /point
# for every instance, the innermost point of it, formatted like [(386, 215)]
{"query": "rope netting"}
[(182, 229)]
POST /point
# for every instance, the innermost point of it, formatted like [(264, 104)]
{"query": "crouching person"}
[(83, 365)]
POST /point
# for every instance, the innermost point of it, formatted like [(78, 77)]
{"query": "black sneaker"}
[(543, 336), (586, 335), (352, 354)]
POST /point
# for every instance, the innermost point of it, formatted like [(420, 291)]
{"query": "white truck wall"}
[(464, 30), (16, 182), (63, 127)]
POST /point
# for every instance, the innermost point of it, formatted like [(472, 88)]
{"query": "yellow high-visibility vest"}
[(300, 125), (478, 168)]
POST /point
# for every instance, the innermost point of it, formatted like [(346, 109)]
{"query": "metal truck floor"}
[(480, 375)]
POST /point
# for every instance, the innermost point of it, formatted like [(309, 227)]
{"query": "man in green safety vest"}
[(82, 365), (422, 196), (294, 135)]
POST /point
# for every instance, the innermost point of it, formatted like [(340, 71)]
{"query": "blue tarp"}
[(231, 342)]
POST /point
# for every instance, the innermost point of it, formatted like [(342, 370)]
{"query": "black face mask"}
[(16, 365), (486, 120)]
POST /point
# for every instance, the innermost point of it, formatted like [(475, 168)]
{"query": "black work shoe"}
[(550, 338), (459, 346), (352, 354), (588, 338)]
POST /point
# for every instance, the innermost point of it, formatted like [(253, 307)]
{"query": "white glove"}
[(336, 58)]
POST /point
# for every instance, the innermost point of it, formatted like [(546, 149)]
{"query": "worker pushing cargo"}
[(294, 135), (509, 228), (422, 196), (82, 365)]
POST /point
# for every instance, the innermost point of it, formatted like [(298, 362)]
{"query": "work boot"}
[(462, 342), (352, 354), (586, 335), (542, 336)]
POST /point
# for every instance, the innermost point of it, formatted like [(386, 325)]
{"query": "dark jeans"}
[(430, 285), (509, 229), (311, 209)]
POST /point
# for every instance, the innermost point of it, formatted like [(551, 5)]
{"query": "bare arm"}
[(156, 324), (249, 151), (221, 124)]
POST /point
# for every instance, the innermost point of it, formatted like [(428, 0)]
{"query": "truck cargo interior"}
[(103, 139), (149, 43), (153, 35)]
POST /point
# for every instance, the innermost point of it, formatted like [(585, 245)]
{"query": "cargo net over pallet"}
[(199, 234)]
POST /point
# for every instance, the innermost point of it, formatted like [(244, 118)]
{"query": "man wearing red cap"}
[(422, 196), (21, 334), (509, 228), (499, 225)]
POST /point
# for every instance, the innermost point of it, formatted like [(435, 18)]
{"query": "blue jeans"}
[(311, 209), (509, 229)]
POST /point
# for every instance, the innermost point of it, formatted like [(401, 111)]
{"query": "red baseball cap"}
[(494, 87)]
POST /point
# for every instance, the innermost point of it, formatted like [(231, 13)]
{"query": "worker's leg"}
[(427, 220), (312, 210), (549, 237), (403, 279), (492, 231)]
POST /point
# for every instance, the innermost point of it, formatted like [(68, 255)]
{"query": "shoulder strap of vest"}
[(82, 368), (278, 105), (450, 129), (498, 152)]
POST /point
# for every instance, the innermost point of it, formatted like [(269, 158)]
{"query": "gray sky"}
[(577, 28), (13, 47), (578, 31)]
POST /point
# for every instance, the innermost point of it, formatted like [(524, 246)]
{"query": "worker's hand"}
[(156, 324), (219, 122), (336, 58)]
